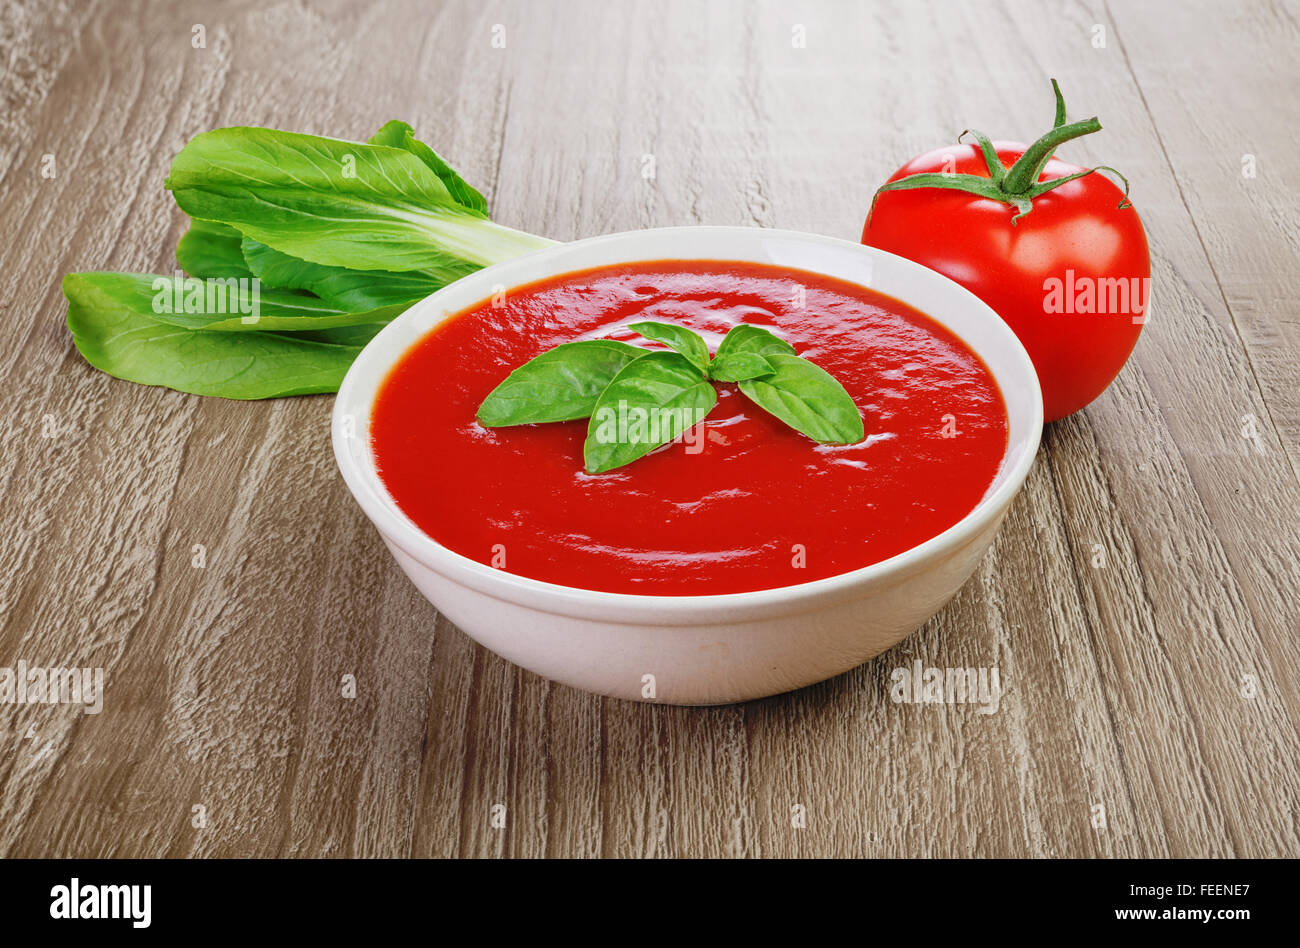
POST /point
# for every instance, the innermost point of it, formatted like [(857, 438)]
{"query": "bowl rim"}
[(369, 370)]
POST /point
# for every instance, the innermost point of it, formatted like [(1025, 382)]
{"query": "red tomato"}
[(1071, 277)]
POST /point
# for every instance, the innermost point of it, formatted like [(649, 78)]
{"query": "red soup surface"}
[(752, 504)]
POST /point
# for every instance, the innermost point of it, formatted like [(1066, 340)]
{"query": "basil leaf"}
[(400, 135), (653, 400), (680, 338), (118, 338), (339, 203), (747, 338), (739, 366), (808, 399), (209, 249), (561, 384), (229, 305), (348, 289)]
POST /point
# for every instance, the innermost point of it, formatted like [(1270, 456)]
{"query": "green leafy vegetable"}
[(400, 135), (117, 338), (368, 289), (561, 384), (332, 240), (679, 338), (653, 400), (230, 305), (356, 336), (807, 398), (348, 289), (335, 202), (209, 249)]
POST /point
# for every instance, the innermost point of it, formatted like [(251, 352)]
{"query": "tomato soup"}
[(746, 503)]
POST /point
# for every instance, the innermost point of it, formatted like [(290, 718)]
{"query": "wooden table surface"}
[(1141, 602)]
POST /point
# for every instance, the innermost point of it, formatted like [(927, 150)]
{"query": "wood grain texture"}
[(1142, 601)]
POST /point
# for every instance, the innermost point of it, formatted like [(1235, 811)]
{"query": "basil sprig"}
[(639, 399)]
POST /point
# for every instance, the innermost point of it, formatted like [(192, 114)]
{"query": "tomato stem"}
[(1019, 184), (1024, 173), (996, 169), (1060, 105)]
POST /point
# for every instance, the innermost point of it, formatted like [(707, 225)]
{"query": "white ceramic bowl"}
[(699, 649)]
